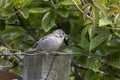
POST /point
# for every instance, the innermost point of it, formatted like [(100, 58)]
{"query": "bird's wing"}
[(39, 42), (42, 42), (47, 43)]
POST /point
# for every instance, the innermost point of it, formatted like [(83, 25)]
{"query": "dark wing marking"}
[(38, 42)]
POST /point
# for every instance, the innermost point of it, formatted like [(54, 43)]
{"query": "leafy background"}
[(93, 27)]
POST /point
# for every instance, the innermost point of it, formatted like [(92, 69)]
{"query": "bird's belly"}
[(52, 46)]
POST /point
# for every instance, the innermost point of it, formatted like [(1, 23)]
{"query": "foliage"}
[(93, 27)]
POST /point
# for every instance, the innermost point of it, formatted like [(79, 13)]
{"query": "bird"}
[(51, 42)]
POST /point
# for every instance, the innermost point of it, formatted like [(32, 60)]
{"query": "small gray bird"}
[(50, 42)]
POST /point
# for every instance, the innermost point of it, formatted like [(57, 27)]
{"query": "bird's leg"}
[(56, 53), (45, 53)]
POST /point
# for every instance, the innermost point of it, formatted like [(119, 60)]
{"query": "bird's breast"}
[(54, 43)]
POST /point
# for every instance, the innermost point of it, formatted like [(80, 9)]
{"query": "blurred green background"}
[(93, 27)]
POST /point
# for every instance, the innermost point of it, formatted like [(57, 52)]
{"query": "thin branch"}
[(23, 25), (80, 9), (78, 75), (32, 53), (75, 64), (5, 44), (77, 6)]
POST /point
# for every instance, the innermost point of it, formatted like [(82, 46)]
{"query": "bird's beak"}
[(65, 35), (66, 39)]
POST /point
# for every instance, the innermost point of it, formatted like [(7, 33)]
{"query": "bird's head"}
[(61, 33)]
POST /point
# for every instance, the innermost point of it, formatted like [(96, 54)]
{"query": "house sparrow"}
[(51, 42)]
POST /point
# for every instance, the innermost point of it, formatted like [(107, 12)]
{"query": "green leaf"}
[(101, 7), (25, 13), (96, 41), (95, 16), (84, 43), (113, 43), (48, 21), (26, 2), (91, 31), (84, 31), (109, 77), (72, 78), (12, 29), (116, 6), (114, 1), (93, 63), (104, 22), (21, 3), (2, 48), (18, 40), (4, 3), (39, 10), (87, 22), (75, 31), (91, 75), (99, 30), (7, 14), (72, 50), (114, 59), (117, 20), (55, 4), (117, 34), (66, 2), (63, 12)]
